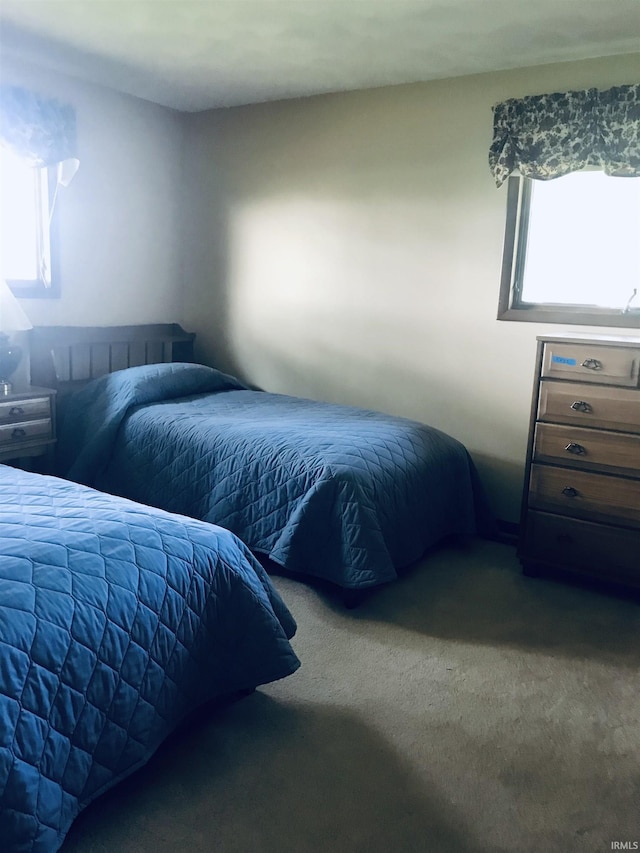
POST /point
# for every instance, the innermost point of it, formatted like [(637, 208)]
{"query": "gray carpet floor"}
[(463, 709)]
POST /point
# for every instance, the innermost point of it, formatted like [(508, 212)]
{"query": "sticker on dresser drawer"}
[(596, 406), (594, 449), (591, 363)]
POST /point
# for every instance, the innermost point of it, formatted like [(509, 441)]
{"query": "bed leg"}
[(353, 598)]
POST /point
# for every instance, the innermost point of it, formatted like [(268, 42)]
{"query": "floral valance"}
[(546, 136), (41, 130)]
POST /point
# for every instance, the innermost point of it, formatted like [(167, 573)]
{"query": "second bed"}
[(335, 492)]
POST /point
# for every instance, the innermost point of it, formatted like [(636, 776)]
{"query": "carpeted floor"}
[(463, 709)]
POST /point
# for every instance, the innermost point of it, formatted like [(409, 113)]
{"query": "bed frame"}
[(67, 357)]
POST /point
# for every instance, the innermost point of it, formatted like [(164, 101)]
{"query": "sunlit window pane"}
[(583, 243), (24, 243)]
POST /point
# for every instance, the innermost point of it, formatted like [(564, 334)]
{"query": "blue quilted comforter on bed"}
[(344, 494), (116, 620)]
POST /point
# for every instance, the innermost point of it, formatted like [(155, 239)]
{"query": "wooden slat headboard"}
[(70, 356)]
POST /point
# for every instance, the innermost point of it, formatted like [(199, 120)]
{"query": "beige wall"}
[(120, 217), (348, 247), (344, 247)]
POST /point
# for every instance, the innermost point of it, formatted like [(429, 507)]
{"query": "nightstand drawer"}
[(585, 495), (19, 433), (591, 363), (574, 403), (21, 410), (587, 448), (583, 545)]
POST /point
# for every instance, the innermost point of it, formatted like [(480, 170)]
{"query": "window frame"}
[(48, 222), (510, 306)]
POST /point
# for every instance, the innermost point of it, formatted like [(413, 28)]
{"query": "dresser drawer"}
[(21, 410), (574, 403), (591, 363), (584, 494), (606, 551), (18, 433), (587, 448)]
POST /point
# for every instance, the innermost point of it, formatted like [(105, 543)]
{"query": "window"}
[(572, 239), (26, 234), (572, 250)]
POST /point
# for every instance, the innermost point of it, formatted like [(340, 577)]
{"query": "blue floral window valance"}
[(41, 130), (547, 136)]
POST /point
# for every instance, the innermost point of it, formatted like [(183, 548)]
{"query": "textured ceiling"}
[(198, 54)]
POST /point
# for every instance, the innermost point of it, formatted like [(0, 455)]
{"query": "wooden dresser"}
[(581, 505)]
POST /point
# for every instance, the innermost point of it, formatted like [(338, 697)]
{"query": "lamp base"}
[(10, 355)]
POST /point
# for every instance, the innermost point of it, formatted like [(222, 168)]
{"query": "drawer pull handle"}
[(18, 432), (592, 364), (570, 492), (581, 406), (576, 449), (564, 539), (14, 411)]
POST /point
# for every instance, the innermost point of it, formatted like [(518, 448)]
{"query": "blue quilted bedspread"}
[(116, 620), (344, 494)]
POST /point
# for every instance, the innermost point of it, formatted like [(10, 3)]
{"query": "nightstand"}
[(27, 424)]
